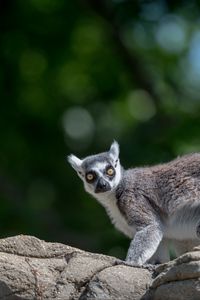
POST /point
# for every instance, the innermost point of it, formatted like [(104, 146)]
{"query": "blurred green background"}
[(74, 75)]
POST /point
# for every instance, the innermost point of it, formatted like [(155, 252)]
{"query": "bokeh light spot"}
[(152, 11), (171, 35), (190, 67), (78, 123), (140, 105), (194, 54), (141, 36)]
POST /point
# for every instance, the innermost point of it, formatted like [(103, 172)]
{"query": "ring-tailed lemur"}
[(150, 205)]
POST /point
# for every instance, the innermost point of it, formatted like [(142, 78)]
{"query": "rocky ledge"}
[(34, 269)]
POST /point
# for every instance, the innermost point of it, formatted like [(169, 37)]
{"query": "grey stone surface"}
[(178, 279), (118, 282), (33, 269)]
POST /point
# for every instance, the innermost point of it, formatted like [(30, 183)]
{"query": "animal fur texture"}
[(154, 206)]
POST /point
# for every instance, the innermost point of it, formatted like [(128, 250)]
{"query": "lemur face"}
[(100, 173)]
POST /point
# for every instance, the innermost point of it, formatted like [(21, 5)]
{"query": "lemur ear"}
[(114, 151), (75, 162)]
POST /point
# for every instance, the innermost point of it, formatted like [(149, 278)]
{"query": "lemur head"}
[(101, 173)]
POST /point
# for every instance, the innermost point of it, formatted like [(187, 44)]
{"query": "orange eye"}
[(110, 171), (90, 176)]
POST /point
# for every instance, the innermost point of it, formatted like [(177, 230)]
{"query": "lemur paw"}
[(149, 267)]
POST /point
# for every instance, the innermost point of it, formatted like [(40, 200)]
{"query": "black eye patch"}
[(116, 163), (90, 176), (110, 171)]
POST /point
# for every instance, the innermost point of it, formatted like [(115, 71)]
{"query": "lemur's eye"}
[(110, 171), (90, 177)]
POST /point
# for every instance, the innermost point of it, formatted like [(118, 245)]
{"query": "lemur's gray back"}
[(179, 181), (161, 188)]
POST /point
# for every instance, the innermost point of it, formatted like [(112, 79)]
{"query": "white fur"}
[(114, 151), (99, 167), (118, 174), (151, 249), (109, 201), (75, 162), (118, 220)]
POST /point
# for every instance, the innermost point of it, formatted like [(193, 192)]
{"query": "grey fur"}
[(154, 206)]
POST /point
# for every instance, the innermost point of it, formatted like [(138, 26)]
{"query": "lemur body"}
[(151, 205)]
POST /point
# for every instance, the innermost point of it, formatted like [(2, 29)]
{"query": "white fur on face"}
[(114, 151), (98, 165), (118, 174), (75, 162), (99, 168)]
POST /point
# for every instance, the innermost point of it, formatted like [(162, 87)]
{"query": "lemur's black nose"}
[(102, 186)]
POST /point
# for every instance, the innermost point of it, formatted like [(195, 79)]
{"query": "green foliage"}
[(73, 77)]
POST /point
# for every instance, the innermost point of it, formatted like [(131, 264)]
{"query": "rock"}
[(178, 279), (119, 282), (33, 269)]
